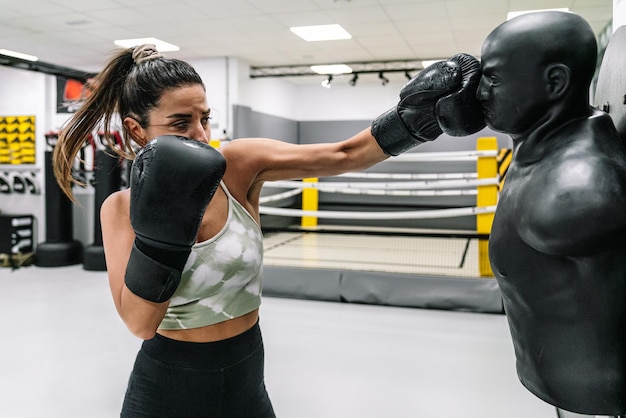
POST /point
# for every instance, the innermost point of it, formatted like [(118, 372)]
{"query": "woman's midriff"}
[(216, 332)]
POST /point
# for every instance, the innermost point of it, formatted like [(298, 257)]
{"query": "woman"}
[(202, 354)]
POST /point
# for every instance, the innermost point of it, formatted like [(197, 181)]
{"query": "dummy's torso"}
[(558, 252)]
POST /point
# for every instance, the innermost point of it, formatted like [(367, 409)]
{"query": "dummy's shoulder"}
[(583, 179), (575, 210), (592, 152)]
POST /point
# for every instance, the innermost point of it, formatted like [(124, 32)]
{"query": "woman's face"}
[(181, 111)]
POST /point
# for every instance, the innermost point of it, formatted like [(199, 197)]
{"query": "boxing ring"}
[(388, 265)]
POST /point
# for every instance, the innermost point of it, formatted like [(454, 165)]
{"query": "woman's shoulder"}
[(117, 203)]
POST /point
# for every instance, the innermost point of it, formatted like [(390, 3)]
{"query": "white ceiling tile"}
[(173, 13), (592, 3), (248, 23), (90, 5), (318, 17), (426, 28), (119, 16), (487, 23), (284, 6), (346, 4), (476, 7), (386, 41), (359, 15), (33, 7), (79, 33), (417, 11), (365, 29), (595, 14), (220, 9)]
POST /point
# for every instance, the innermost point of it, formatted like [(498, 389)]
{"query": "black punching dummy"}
[(107, 179), (60, 248), (172, 182), (558, 241)]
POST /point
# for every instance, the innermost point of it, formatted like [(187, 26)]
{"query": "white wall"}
[(344, 102), (312, 102), (215, 75), (619, 14), (24, 93), (272, 96)]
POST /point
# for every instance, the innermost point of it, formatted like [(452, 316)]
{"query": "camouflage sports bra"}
[(222, 277)]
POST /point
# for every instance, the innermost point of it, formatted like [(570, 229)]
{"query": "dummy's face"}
[(510, 88), (181, 111)]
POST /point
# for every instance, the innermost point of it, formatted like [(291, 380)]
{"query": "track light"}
[(384, 80), (326, 82), (354, 79)]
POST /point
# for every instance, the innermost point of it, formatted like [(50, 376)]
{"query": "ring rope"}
[(426, 184), (420, 214), (444, 156), (280, 196), (410, 176), (375, 192), (403, 193)]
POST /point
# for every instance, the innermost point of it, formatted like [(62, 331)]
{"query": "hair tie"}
[(145, 52)]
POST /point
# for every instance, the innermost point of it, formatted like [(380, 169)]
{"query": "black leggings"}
[(199, 380)]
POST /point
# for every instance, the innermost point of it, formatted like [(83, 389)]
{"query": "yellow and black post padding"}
[(504, 160), (486, 168)]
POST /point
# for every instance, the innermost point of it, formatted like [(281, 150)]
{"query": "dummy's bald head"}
[(536, 69), (547, 37)]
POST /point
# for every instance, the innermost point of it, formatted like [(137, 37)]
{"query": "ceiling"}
[(79, 34)]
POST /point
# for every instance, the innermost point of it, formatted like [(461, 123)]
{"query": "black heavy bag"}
[(60, 247), (107, 180)]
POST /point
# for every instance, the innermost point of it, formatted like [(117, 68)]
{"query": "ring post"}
[(310, 201), (486, 167)]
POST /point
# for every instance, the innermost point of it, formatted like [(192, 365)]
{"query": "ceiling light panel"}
[(321, 32), (511, 15), (160, 45)]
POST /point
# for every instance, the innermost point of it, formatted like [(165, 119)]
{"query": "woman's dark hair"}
[(126, 88)]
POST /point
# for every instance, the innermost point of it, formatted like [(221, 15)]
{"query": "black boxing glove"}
[(416, 118), (172, 181), (413, 120), (460, 113)]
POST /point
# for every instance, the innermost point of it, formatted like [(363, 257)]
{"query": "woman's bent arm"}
[(142, 317)]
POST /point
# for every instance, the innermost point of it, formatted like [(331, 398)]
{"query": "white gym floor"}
[(64, 353)]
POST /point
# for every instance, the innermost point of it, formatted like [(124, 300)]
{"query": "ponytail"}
[(100, 106)]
